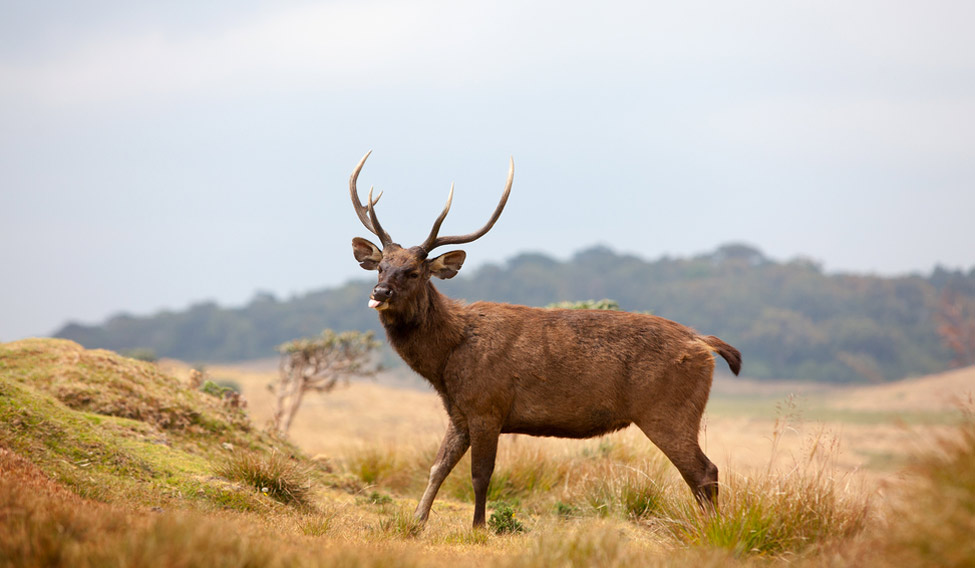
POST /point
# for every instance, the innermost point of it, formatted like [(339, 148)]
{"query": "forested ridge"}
[(791, 320)]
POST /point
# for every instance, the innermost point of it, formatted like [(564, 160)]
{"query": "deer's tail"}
[(730, 354)]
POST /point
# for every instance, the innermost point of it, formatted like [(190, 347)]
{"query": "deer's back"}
[(573, 373)]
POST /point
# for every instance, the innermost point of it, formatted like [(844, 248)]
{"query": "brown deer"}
[(502, 368)]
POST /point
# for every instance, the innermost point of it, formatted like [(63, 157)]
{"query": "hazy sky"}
[(153, 155)]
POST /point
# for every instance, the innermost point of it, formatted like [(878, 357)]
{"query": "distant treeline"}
[(789, 319)]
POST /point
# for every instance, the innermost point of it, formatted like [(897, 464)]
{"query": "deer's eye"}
[(413, 274)]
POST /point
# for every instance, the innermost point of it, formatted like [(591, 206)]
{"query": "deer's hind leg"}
[(673, 422), (685, 453)]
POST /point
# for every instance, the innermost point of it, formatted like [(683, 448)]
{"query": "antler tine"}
[(362, 211), (376, 227), (359, 209), (435, 241), (436, 224)]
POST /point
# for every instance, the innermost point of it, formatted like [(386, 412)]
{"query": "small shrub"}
[(274, 474), (229, 384), (319, 364), (503, 519), (213, 389), (566, 511), (141, 354), (226, 390), (377, 498)]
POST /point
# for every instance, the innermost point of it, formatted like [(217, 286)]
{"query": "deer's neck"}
[(425, 332)]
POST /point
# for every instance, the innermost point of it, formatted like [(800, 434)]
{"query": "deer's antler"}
[(367, 213), (433, 241)]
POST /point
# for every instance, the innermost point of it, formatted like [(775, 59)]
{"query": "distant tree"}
[(792, 320), (141, 354), (956, 326), (604, 304), (319, 364), (739, 252)]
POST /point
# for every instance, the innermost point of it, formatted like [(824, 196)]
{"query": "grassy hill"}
[(108, 461)]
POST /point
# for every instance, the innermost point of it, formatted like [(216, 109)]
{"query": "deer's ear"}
[(448, 264), (366, 253)]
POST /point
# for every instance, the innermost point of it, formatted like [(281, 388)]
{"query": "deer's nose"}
[(381, 293)]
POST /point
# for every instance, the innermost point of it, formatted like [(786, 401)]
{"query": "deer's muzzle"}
[(380, 295)]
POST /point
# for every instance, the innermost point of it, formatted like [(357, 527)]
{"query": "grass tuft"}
[(524, 473), (316, 525), (625, 491), (401, 524), (933, 522), (273, 474), (385, 466), (778, 513)]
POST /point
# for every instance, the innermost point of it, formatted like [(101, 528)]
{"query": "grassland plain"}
[(107, 461)]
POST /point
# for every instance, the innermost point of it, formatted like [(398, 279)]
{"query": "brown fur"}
[(570, 373)]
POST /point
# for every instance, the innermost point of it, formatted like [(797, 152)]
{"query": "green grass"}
[(503, 519), (134, 435), (102, 382)]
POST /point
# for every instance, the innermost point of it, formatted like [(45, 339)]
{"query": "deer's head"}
[(403, 272)]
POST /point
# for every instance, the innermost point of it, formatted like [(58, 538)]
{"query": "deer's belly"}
[(566, 418), (577, 430)]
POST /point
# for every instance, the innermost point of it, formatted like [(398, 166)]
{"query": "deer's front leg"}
[(484, 450), (452, 448)]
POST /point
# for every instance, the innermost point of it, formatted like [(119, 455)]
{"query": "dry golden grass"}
[(876, 432), (937, 393), (803, 483)]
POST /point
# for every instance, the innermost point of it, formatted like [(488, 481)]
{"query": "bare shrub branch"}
[(319, 364)]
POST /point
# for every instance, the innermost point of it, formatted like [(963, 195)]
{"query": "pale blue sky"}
[(152, 156)]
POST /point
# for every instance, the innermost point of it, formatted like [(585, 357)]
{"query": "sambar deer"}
[(502, 368)]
